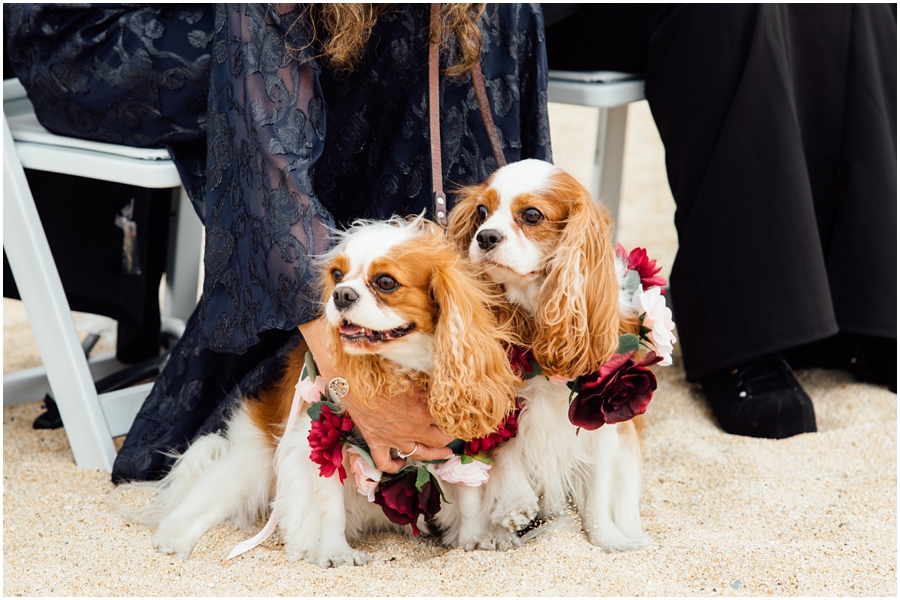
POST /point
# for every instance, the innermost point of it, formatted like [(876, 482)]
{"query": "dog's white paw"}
[(170, 545), (515, 515), (498, 540), (337, 557), (616, 542)]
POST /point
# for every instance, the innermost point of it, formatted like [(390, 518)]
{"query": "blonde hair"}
[(341, 32)]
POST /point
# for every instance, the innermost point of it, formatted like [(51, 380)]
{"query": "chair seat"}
[(44, 151), (602, 89)]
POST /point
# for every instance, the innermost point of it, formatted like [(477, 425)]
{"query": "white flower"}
[(453, 470), (658, 321)]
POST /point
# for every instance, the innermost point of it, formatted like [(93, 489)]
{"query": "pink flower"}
[(453, 470), (402, 503), (367, 477), (638, 261), (620, 391), (326, 439), (507, 429), (559, 380), (312, 391), (658, 320)]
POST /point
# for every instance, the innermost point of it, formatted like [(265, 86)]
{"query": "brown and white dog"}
[(402, 308), (537, 232)]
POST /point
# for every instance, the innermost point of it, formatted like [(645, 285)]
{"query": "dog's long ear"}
[(464, 217), (472, 385), (577, 322)]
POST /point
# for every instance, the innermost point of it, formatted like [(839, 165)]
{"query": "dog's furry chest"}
[(560, 460), (544, 422)]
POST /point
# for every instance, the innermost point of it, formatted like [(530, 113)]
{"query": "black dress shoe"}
[(830, 353), (874, 360), (760, 398)]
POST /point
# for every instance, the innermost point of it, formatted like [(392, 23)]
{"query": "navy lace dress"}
[(274, 150)]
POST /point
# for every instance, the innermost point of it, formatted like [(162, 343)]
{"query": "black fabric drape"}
[(779, 123)]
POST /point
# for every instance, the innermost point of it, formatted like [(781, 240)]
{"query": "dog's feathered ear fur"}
[(472, 386), (577, 322), (464, 217)]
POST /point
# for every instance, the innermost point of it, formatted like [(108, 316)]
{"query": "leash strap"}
[(439, 198), (486, 115)]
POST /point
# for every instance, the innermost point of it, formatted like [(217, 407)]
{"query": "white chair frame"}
[(91, 420), (611, 92)]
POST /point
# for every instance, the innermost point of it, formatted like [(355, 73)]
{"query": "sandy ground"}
[(811, 515)]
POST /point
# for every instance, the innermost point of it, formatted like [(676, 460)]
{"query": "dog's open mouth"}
[(355, 333)]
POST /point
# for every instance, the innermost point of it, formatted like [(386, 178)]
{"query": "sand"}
[(815, 514)]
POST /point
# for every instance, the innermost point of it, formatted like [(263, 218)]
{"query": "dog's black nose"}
[(344, 296), (488, 238)]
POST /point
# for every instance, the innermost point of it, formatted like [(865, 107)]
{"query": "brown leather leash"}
[(439, 198), (484, 108)]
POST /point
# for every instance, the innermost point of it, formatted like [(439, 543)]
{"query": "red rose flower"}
[(326, 438), (619, 392), (520, 360), (638, 261), (507, 429), (402, 503)]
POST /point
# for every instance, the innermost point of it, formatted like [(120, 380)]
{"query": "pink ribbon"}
[(307, 390)]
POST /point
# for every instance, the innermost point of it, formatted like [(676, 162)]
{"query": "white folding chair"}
[(90, 420), (611, 92)]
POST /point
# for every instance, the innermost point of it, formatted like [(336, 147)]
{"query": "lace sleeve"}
[(263, 222)]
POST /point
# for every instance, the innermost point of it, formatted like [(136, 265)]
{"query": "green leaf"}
[(315, 409), (644, 331), (628, 342), (483, 458), (465, 459), (631, 284), (422, 477), (575, 387), (457, 446), (535, 370), (311, 370), (355, 438), (436, 483)]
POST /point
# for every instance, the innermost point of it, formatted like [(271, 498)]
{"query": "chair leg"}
[(606, 184), (48, 311), (183, 263)]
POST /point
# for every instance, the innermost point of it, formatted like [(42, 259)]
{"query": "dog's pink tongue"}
[(350, 329)]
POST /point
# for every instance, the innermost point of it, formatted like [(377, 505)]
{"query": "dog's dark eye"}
[(532, 216), (386, 283), (337, 275), (482, 213)]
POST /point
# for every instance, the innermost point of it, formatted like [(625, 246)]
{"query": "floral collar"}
[(624, 385)]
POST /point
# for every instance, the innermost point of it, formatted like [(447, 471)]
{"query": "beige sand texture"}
[(812, 515)]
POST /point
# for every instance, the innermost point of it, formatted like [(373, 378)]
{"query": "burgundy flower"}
[(619, 392), (638, 261), (326, 438), (402, 503), (507, 429), (520, 360)]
